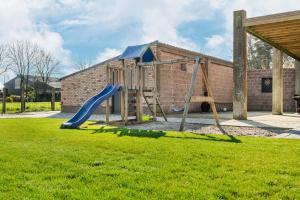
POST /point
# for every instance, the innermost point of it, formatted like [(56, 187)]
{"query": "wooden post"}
[(207, 63), (107, 108), (277, 82), (297, 77), (139, 102), (154, 91), (53, 99), (239, 66), (23, 100), (4, 100), (125, 88), (122, 81), (209, 93), (189, 93)]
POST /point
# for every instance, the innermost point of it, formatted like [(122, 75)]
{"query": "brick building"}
[(172, 80), (260, 98)]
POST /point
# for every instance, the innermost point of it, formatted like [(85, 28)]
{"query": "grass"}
[(40, 161), (30, 106)]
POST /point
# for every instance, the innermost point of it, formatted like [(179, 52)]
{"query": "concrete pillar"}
[(239, 66), (277, 83), (297, 77)]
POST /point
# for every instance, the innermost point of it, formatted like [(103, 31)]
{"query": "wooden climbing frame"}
[(136, 89)]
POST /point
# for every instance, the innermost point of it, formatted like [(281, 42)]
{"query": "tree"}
[(45, 67), (3, 64), (83, 64), (259, 53), (21, 56), (288, 62)]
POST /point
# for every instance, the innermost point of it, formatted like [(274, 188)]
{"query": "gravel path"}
[(209, 129)]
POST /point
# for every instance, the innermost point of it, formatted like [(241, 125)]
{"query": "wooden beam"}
[(275, 18), (184, 60), (154, 90), (108, 81), (239, 66), (53, 99), (272, 43), (161, 109), (195, 99), (141, 79), (122, 81), (210, 94), (125, 88), (189, 93), (277, 91), (4, 100)]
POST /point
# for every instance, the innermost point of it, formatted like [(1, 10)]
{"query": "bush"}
[(16, 98), (9, 99), (31, 96)]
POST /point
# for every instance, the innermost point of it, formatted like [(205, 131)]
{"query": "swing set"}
[(137, 77)]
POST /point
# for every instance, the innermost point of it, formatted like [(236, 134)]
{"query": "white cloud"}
[(254, 8), (214, 41), (150, 20), (157, 19), (107, 54), (160, 19), (18, 22)]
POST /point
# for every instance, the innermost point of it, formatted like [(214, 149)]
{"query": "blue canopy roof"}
[(143, 52)]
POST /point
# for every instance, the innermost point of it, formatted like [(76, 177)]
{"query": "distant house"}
[(42, 90)]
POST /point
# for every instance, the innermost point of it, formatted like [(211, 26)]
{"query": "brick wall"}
[(76, 89), (263, 101), (172, 82), (221, 81)]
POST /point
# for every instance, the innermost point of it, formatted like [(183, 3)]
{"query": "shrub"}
[(16, 98), (9, 99)]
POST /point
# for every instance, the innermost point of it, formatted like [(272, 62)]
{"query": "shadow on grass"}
[(157, 134)]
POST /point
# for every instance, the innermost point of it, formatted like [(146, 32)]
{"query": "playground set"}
[(280, 31), (136, 82)]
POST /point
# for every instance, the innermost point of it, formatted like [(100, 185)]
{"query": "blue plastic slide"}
[(90, 106)]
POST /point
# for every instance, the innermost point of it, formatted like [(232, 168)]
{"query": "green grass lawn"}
[(30, 106), (40, 161)]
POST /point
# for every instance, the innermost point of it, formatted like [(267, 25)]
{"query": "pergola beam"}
[(252, 32), (270, 19)]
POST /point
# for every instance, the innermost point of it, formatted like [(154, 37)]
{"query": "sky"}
[(94, 30)]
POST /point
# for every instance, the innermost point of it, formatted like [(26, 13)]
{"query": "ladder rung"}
[(201, 99), (131, 113), (147, 90)]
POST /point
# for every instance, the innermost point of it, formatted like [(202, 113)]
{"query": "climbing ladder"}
[(153, 102)]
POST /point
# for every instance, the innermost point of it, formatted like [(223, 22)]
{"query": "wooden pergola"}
[(282, 31)]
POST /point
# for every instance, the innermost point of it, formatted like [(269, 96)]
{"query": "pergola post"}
[(277, 83), (297, 77), (239, 66)]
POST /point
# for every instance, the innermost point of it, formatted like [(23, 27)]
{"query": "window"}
[(183, 67), (17, 83), (266, 85)]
